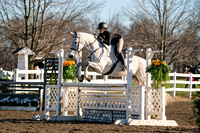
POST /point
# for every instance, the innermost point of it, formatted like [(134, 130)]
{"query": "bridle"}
[(79, 42)]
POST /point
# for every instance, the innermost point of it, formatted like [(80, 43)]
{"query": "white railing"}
[(23, 75), (8, 74), (178, 78)]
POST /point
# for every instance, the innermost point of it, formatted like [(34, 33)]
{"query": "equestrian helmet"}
[(102, 25)]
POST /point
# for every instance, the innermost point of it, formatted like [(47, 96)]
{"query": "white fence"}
[(8, 74), (180, 78), (23, 75)]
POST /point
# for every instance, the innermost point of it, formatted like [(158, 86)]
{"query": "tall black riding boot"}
[(121, 58)]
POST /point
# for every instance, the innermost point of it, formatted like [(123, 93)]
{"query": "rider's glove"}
[(100, 39)]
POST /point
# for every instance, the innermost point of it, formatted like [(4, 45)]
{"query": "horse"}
[(103, 60)]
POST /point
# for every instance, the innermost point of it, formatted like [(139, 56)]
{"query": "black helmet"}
[(102, 25)]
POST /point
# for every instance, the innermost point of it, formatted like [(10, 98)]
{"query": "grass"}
[(181, 93)]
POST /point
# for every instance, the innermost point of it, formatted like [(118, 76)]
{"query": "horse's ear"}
[(72, 33), (75, 33)]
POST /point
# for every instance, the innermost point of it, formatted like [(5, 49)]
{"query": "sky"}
[(112, 7)]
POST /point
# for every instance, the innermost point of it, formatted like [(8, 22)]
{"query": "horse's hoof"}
[(80, 80), (88, 78)]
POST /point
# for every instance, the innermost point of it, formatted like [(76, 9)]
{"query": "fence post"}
[(41, 97), (190, 92), (16, 75), (94, 77), (1, 73), (13, 75), (142, 102), (105, 77), (42, 75), (163, 117), (148, 62), (174, 85)]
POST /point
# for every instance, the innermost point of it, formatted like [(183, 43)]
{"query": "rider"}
[(105, 37)]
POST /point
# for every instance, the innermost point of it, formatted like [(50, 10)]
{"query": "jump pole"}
[(60, 77), (129, 81), (149, 56), (130, 54)]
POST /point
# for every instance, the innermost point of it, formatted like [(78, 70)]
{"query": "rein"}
[(76, 49), (89, 57)]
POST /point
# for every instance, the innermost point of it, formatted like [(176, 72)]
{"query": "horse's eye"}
[(75, 42)]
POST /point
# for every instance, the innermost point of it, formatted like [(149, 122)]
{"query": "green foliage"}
[(160, 74), (4, 77), (196, 107), (69, 72)]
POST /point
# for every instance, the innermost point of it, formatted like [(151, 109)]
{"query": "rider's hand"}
[(99, 38)]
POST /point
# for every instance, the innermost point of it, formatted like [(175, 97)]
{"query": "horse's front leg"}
[(78, 70), (96, 66)]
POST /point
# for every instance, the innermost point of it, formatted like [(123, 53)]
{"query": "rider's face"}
[(101, 30)]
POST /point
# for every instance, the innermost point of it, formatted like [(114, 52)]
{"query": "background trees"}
[(42, 25), (166, 25)]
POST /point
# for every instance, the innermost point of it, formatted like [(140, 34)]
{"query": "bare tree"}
[(160, 21), (42, 25)]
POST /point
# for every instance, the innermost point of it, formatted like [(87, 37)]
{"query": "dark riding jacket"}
[(107, 38)]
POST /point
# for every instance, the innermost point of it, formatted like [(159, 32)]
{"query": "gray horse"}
[(103, 60)]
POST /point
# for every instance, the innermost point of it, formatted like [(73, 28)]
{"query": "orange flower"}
[(68, 63), (164, 62), (72, 63), (156, 62), (65, 63)]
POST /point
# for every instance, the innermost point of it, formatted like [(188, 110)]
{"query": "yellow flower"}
[(156, 62)]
